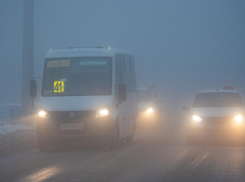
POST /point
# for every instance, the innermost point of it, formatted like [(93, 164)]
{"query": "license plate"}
[(72, 126)]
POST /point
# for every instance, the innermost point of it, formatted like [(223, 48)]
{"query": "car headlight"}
[(238, 119), (196, 118), (102, 112), (43, 114), (149, 110)]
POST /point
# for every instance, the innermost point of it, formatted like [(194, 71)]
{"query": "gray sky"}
[(178, 45)]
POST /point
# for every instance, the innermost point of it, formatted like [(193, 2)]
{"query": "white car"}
[(217, 112), (149, 105)]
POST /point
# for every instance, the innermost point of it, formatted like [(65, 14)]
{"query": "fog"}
[(179, 46)]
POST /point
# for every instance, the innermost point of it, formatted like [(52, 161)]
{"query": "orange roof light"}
[(228, 88)]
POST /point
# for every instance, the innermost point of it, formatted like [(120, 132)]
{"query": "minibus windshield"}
[(77, 76)]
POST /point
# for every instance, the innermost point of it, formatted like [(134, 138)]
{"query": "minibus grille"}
[(71, 117)]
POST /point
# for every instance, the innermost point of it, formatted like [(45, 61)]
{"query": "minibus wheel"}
[(42, 143), (129, 139), (114, 138), (42, 138)]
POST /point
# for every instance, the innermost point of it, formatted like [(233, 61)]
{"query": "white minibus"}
[(85, 94)]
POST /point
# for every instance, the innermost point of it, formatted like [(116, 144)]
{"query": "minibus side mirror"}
[(186, 108), (33, 88), (122, 92)]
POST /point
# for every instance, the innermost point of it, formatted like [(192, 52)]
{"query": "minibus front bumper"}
[(82, 126)]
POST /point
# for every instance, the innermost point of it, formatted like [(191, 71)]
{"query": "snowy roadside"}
[(16, 136)]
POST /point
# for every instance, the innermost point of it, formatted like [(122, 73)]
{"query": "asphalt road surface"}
[(157, 155)]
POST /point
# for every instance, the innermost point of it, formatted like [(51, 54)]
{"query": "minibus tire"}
[(42, 146), (113, 141), (42, 143), (114, 137), (129, 139)]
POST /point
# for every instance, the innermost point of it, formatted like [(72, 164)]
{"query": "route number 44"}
[(58, 86)]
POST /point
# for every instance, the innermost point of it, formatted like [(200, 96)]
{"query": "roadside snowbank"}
[(7, 128), (15, 136)]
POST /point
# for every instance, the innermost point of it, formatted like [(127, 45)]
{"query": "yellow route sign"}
[(59, 86)]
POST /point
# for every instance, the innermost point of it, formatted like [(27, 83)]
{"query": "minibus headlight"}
[(149, 110), (102, 112), (238, 119), (196, 118), (43, 114)]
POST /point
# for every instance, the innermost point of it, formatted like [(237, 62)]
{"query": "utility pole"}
[(28, 57)]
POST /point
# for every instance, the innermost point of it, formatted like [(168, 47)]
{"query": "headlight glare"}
[(102, 112), (238, 119), (43, 114), (196, 118), (149, 110)]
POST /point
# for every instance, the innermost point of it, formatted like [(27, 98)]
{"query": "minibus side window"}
[(125, 71), (126, 74), (124, 64), (128, 64), (134, 87), (119, 69)]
